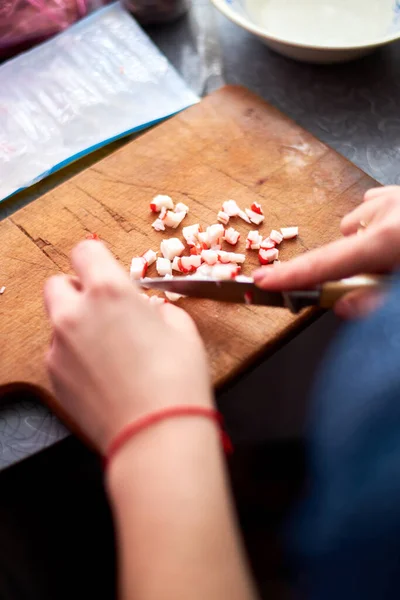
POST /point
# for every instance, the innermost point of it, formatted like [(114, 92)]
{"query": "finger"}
[(178, 318), (357, 305), (95, 265), (378, 192), (75, 282), (59, 292), (342, 258), (364, 213)]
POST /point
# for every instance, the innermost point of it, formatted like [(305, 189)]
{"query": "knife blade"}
[(243, 290)]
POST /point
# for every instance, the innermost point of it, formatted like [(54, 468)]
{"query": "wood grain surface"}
[(231, 145)]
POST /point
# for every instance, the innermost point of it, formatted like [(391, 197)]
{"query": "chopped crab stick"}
[(138, 267), (173, 219), (203, 240), (190, 234), (268, 256), (191, 261), (157, 300), (186, 264), (160, 202), (254, 217), (150, 256), (257, 208), (267, 243), (231, 236), (223, 217), (172, 296), (230, 257), (289, 232), (244, 216), (210, 257), (253, 241), (181, 207), (171, 247), (204, 270), (231, 208), (244, 279), (225, 271), (163, 267), (215, 234), (158, 225), (276, 237)]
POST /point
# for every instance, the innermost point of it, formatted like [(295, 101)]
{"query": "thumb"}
[(357, 305), (343, 258)]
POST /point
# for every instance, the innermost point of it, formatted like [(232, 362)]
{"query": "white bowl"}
[(317, 31)]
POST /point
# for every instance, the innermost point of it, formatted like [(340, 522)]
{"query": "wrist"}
[(130, 412), (167, 447)]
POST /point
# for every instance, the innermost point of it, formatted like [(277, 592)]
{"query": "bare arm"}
[(114, 358), (177, 535)]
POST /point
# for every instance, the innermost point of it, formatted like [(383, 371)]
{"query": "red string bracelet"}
[(130, 430)]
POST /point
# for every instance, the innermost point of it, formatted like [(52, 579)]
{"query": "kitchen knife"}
[(242, 290)]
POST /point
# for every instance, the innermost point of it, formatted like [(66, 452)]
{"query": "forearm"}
[(177, 536)]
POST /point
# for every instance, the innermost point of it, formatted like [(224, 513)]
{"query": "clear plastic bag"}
[(24, 23), (96, 82)]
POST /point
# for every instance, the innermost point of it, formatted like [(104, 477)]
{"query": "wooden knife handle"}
[(334, 290)]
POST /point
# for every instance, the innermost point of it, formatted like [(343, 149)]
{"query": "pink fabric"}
[(26, 22)]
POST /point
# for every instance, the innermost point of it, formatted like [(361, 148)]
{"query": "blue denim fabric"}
[(346, 536)]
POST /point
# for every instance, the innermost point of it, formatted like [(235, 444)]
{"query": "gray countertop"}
[(355, 108)]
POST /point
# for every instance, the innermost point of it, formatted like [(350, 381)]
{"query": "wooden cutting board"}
[(231, 145)]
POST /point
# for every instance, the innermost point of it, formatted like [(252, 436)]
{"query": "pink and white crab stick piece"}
[(215, 234), (244, 216), (173, 219), (276, 237), (231, 257), (289, 233), (225, 271), (210, 257), (231, 208), (160, 202), (156, 300), (190, 234), (254, 217), (158, 225), (186, 264), (267, 257), (181, 207), (253, 241), (163, 266), (150, 256), (171, 247), (257, 208), (204, 271), (203, 240), (223, 217), (231, 236), (267, 244), (172, 296), (138, 267)]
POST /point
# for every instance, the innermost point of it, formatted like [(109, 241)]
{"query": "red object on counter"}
[(24, 23)]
